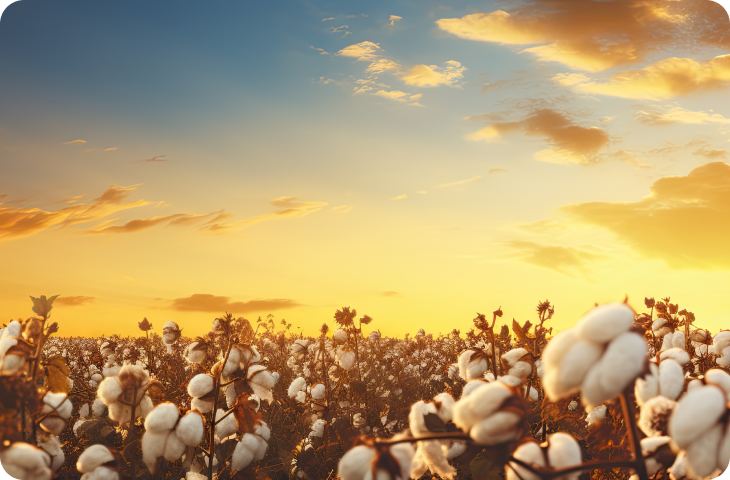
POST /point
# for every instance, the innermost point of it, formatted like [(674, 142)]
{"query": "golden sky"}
[(420, 163)]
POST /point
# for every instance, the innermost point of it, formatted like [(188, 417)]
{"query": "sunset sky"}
[(417, 161)]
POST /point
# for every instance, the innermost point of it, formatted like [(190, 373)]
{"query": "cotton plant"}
[(721, 348), (97, 462), (599, 357), (472, 364), (12, 358), (365, 462), (170, 435), (125, 392), (56, 412), (560, 451), (170, 334), (26, 462), (431, 455)]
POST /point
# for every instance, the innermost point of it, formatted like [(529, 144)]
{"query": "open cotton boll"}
[(232, 364), (702, 453), (225, 427), (648, 387), (654, 416), (301, 397), (120, 413), (346, 360), (471, 386), (244, 452), (340, 336), (200, 385), (695, 414), (153, 447), (480, 403), (162, 419), (297, 385), (605, 322), (596, 415), (174, 448), (676, 354), (671, 379), (93, 457), (563, 452), (190, 428), (659, 327), (26, 462), (529, 452), (720, 342), (472, 364), (556, 348), (445, 409), (109, 390), (719, 378), (511, 358), (318, 391), (495, 429), (52, 446), (101, 473), (572, 369), (355, 462)]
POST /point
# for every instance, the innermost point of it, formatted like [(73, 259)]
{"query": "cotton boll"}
[(471, 386), (472, 364), (93, 457), (724, 360), (355, 462), (52, 446), (529, 452), (605, 322), (26, 462), (446, 404), (84, 410), (596, 415), (174, 448), (340, 336), (317, 428), (153, 447), (244, 452), (190, 429), (720, 343), (678, 340), (481, 403), (297, 385), (557, 347), (667, 341), (521, 370), (702, 453), (497, 428), (510, 380), (671, 379), (695, 414), (263, 431), (200, 385), (318, 391), (719, 378), (301, 397), (101, 473), (573, 368), (98, 407), (162, 419), (109, 390), (232, 364), (659, 327), (648, 387), (346, 360), (120, 413), (563, 452), (145, 407), (227, 426), (654, 416), (622, 362), (511, 358), (676, 354)]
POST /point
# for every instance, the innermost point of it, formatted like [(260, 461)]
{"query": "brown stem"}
[(216, 387), (629, 412), (132, 424), (549, 473)]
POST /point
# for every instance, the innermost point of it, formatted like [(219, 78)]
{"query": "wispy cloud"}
[(110, 149), (74, 141), (569, 261), (392, 294), (660, 115), (460, 182), (433, 76), (393, 19), (158, 158), (320, 50), (204, 302), (175, 220), (400, 197), (74, 301), (342, 208), (289, 207), (496, 170)]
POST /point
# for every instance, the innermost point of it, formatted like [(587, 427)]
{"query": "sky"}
[(417, 161)]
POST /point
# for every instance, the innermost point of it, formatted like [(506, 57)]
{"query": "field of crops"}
[(643, 392)]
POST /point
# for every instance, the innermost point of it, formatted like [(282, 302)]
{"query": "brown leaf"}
[(519, 332), (245, 413), (434, 423), (58, 373)]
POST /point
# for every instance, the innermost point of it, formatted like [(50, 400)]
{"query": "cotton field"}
[(623, 393)]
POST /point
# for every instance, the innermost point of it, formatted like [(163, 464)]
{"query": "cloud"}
[(571, 143), (203, 302), (684, 221), (460, 182), (568, 79), (342, 208), (400, 197), (433, 76), (391, 294), (363, 51), (288, 207), (630, 158), (178, 219), (68, 200), (20, 222), (393, 19), (496, 170), (668, 78), (320, 50), (341, 29), (382, 65), (110, 149), (569, 261), (74, 141), (72, 301), (715, 154), (328, 19), (158, 158), (594, 35), (660, 115)]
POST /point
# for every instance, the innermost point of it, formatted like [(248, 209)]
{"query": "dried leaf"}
[(434, 423), (245, 413), (58, 373)]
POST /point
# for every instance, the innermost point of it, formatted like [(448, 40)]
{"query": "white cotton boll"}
[(244, 452), (480, 403), (297, 385), (263, 431), (719, 378), (720, 342), (723, 453), (59, 402), (318, 391), (227, 426), (596, 415), (724, 360), (200, 385), (667, 341), (573, 367), (93, 457), (434, 453), (144, 408), (696, 413), (648, 387), (456, 449), (471, 386), (446, 409), (276, 376), (52, 446), (97, 378), (671, 379), (654, 416), (676, 354), (529, 452), (258, 375), (101, 473), (563, 452), (162, 419), (659, 328), (340, 336), (472, 365), (403, 453), (174, 448), (605, 322), (317, 428), (234, 359), (26, 462), (261, 447), (190, 429), (702, 453), (84, 410), (153, 447), (346, 360), (301, 397), (120, 413), (511, 358), (355, 462), (510, 380), (98, 407), (521, 370), (109, 390), (495, 429)]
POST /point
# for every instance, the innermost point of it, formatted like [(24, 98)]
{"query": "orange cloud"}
[(433, 76), (290, 207), (19, 222), (566, 260), (684, 221), (204, 302), (593, 35), (668, 78), (74, 141), (571, 143), (460, 182), (72, 301)]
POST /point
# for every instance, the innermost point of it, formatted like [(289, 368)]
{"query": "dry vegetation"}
[(617, 394)]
